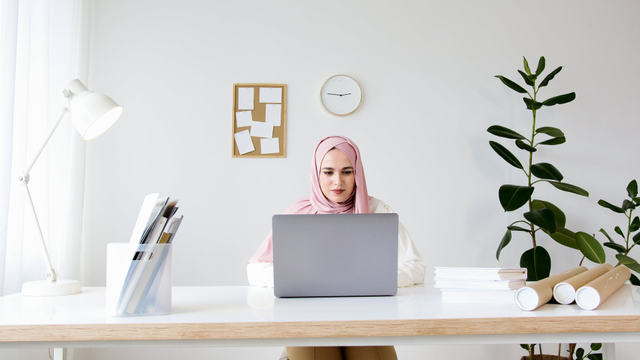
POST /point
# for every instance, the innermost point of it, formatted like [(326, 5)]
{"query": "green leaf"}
[(524, 146), (636, 200), (546, 171), (532, 105), (512, 85), (595, 356), (541, 64), (518, 228), (506, 154), (554, 141), (526, 78), (504, 132), (636, 238), (596, 346), (590, 247), (560, 99), (512, 197), (634, 280), (628, 262), (632, 189), (565, 237), (619, 231), (526, 66), (607, 235), (561, 219), (626, 205), (617, 247), (543, 218), (610, 206), (635, 225), (569, 188), (537, 262), (551, 131), (506, 239), (580, 353), (525, 346), (549, 77)]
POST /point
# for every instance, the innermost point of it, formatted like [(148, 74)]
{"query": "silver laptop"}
[(335, 255)]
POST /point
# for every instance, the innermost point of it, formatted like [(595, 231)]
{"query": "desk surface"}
[(253, 316)]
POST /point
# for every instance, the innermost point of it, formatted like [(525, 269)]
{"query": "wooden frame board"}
[(255, 113)]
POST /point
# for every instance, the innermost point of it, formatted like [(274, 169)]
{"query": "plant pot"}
[(545, 357)]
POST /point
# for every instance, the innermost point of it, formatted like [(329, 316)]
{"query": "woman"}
[(338, 186)]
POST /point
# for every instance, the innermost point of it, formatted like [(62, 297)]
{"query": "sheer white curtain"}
[(44, 45)]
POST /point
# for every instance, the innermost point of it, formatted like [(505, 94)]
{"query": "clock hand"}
[(338, 94)]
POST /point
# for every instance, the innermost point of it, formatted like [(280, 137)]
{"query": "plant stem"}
[(533, 135), (629, 231)]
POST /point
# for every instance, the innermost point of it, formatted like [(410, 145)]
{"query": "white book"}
[(484, 284), (462, 296), (470, 273)]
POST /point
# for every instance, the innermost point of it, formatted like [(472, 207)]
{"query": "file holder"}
[(142, 286)]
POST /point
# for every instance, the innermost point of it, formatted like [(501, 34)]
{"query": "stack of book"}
[(479, 285)]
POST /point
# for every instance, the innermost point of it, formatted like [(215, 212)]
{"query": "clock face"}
[(341, 95)]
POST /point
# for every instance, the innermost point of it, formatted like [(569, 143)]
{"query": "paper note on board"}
[(270, 146), (273, 114), (243, 118), (261, 129), (243, 141), (245, 98), (270, 95)]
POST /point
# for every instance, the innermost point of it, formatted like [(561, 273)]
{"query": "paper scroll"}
[(597, 291), (565, 292), (539, 293)]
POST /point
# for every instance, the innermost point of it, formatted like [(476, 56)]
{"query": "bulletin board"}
[(259, 120)]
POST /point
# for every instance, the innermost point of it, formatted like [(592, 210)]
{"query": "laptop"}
[(335, 255)]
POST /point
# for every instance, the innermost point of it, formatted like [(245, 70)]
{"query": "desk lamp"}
[(92, 114)]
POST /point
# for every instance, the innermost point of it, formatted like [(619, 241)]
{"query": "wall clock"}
[(341, 95)]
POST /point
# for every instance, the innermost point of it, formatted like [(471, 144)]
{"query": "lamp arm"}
[(63, 112), (52, 276)]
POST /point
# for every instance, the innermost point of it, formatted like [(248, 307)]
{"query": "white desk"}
[(244, 316)]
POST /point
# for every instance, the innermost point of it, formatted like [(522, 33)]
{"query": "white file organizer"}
[(138, 287)]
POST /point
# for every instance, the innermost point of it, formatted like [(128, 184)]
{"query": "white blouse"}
[(411, 266)]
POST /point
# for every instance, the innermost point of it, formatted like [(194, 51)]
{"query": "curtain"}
[(44, 45)]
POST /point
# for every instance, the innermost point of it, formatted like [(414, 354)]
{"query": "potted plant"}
[(541, 215), (628, 242)]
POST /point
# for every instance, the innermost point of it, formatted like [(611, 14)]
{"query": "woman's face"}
[(337, 179)]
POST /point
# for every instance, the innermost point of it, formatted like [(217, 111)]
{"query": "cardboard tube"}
[(565, 292), (533, 296), (597, 291)]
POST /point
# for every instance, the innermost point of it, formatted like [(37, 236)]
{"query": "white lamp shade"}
[(92, 113)]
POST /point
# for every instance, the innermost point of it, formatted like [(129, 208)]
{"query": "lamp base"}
[(48, 288)]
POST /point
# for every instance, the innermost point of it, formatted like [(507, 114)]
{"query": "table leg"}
[(60, 354), (609, 351)]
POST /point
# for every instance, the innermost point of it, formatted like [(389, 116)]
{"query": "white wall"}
[(426, 68)]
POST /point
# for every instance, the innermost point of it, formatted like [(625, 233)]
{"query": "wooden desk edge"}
[(317, 329)]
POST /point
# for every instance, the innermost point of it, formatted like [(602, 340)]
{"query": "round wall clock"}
[(341, 95)]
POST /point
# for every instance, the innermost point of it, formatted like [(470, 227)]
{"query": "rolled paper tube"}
[(536, 294), (596, 292), (565, 292)]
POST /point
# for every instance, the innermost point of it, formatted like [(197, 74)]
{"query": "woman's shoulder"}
[(378, 206)]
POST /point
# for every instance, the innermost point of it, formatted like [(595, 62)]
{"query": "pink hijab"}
[(317, 203)]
